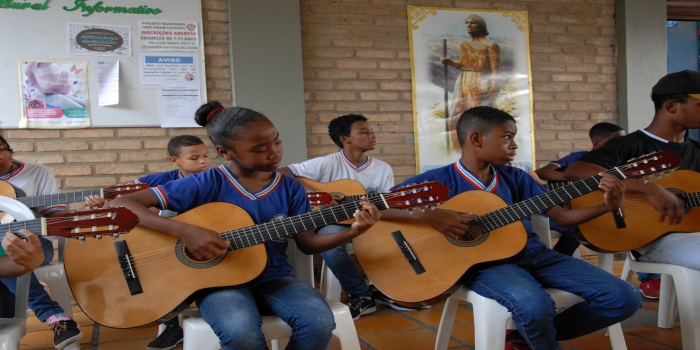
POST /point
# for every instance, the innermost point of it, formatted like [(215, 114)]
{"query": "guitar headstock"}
[(319, 198), (655, 164), (95, 223), (122, 189), (427, 194)]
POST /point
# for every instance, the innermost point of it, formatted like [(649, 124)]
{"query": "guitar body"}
[(641, 220), (6, 190), (444, 262), (344, 187), (100, 289)]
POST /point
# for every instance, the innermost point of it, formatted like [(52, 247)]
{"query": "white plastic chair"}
[(330, 286), (491, 319), (13, 329), (54, 275), (199, 336), (678, 285)]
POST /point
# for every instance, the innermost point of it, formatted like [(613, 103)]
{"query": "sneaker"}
[(360, 306), (384, 299), (66, 332), (514, 341), (650, 288), (168, 339)]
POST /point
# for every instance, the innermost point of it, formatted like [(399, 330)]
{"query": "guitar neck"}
[(38, 226), (358, 197), (58, 198), (252, 235), (537, 204), (691, 199)]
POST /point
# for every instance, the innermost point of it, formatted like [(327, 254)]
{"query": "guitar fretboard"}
[(357, 197), (35, 225), (58, 198), (691, 199), (537, 204), (252, 235)]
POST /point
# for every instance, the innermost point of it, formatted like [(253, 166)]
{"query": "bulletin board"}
[(38, 30)]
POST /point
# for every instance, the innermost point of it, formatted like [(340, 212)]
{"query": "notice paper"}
[(178, 104), (169, 68), (108, 77)]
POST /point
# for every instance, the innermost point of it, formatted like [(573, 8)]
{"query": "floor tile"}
[(112, 334), (44, 339), (134, 344), (670, 337), (373, 324), (464, 333), (432, 316), (419, 339)]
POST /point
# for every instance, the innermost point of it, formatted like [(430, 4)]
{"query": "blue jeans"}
[(39, 301), (519, 287), (234, 314), (342, 266), (677, 249)]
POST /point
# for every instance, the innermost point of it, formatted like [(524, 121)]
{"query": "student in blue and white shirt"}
[(487, 138), (252, 150)]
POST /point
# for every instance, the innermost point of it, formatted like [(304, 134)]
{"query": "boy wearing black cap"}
[(676, 100)]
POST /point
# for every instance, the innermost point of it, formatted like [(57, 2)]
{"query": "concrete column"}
[(641, 50), (267, 70)]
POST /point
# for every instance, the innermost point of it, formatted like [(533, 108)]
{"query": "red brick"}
[(376, 53), (355, 21), (335, 96), (572, 116), (357, 64), (372, 11), (383, 75), (584, 106), (334, 53), (376, 96), (330, 9), (567, 77), (352, 42), (357, 85)]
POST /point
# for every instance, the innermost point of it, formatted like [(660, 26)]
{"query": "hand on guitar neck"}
[(27, 255)]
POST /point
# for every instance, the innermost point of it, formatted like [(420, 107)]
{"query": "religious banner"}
[(463, 58)]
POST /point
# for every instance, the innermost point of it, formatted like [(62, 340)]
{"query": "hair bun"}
[(201, 116)]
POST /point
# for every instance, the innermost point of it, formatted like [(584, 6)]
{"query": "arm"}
[(614, 197), (22, 256), (549, 172), (203, 243), (309, 242), (665, 202), (534, 176), (447, 222)]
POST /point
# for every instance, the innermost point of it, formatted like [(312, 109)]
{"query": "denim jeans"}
[(39, 301), (342, 266), (519, 287), (677, 249), (234, 314)]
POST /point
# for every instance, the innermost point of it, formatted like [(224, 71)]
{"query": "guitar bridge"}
[(408, 253), (127, 264)]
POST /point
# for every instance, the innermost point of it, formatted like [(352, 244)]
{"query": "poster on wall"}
[(54, 94), (169, 35), (169, 68), (99, 40), (462, 58)]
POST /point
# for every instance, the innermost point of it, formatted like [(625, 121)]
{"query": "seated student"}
[(191, 156), (599, 134), (353, 134), (554, 172), (487, 136), (36, 180), (18, 257), (676, 99), (252, 150)]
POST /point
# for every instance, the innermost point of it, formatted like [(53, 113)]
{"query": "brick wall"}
[(356, 59)]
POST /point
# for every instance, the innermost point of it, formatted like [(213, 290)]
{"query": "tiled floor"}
[(385, 330)]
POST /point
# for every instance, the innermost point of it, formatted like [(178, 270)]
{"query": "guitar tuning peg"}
[(422, 209), (658, 176), (99, 238), (410, 211), (81, 239), (646, 179), (115, 235), (433, 206)]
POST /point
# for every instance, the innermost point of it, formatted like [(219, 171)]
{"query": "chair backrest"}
[(20, 212), (303, 264)]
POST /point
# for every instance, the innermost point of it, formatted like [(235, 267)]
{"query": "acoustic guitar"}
[(7, 190), (148, 274), (79, 224), (412, 262), (636, 223), (352, 190)]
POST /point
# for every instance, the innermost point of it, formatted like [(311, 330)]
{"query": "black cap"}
[(686, 82)]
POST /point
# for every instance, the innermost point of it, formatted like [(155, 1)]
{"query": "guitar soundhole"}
[(474, 236), (187, 258), (684, 197)]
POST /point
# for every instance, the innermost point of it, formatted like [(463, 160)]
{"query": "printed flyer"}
[(169, 35), (54, 94), (99, 40)]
